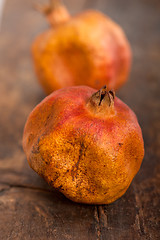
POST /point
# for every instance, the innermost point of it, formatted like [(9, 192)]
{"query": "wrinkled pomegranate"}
[(88, 49), (86, 144)]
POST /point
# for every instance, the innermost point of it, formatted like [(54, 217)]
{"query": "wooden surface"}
[(29, 209)]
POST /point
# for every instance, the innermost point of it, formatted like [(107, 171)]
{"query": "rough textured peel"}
[(87, 49), (89, 155)]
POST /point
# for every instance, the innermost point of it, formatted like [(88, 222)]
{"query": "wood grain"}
[(29, 208)]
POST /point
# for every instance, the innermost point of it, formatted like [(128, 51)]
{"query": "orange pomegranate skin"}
[(88, 49), (88, 152)]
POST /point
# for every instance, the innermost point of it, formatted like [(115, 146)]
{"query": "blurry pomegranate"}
[(85, 143), (87, 49)]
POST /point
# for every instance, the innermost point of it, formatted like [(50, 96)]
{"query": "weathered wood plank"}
[(28, 207), (34, 214)]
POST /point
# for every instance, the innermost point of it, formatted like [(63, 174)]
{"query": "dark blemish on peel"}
[(120, 144)]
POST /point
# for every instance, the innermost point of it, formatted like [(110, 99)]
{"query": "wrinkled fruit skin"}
[(89, 49), (90, 159)]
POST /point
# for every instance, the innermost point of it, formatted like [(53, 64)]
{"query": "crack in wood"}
[(140, 218), (3, 190), (103, 217), (98, 227)]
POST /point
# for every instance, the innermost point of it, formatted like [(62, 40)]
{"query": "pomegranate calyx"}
[(55, 12), (101, 103), (103, 92)]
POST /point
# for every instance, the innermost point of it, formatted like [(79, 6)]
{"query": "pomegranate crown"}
[(103, 92), (55, 12), (101, 103)]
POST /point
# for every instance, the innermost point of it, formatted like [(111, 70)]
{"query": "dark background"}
[(29, 209)]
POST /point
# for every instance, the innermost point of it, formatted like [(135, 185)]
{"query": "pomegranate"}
[(87, 49), (85, 143)]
